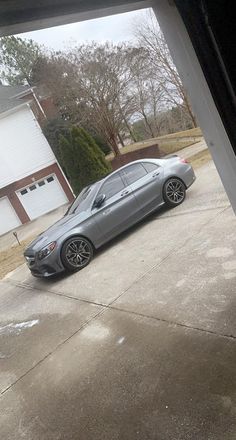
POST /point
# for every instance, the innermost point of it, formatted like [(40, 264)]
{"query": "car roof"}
[(139, 161), (160, 162)]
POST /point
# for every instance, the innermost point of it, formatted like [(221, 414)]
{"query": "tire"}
[(174, 192), (76, 253)]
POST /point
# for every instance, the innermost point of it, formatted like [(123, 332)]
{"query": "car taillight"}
[(183, 160)]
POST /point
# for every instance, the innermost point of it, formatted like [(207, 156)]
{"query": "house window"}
[(23, 192), (41, 183), (31, 188), (50, 179)]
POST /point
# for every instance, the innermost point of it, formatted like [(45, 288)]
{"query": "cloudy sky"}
[(115, 28)]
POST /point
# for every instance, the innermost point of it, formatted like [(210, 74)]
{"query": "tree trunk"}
[(114, 145), (132, 135), (148, 125), (121, 140), (189, 110)]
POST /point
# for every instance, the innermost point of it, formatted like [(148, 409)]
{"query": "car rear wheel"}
[(174, 192), (76, 253)]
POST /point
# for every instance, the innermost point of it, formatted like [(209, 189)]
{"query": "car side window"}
[(112, 186), (134, 172), (150, 166)]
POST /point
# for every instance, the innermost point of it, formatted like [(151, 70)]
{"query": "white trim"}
[(43, 23), (55, 161), (24, 92), (67, 181), (197, 88), (38, 103), (13, 110)]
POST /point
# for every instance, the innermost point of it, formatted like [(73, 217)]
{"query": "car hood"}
[(54, 232)]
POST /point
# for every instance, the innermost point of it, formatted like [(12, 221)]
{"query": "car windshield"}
[(81, 199)]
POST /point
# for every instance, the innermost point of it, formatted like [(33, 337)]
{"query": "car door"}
[(145, 181), (119, 210)]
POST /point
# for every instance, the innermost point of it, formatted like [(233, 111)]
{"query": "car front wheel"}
[(174, 192), (76, 253)]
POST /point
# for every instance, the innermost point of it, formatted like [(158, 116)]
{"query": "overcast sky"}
[(115, 28)]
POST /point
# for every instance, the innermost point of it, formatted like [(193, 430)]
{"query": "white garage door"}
[(8, 216), (42, 196)]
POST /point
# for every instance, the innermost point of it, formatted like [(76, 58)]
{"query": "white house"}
[(31, 180)]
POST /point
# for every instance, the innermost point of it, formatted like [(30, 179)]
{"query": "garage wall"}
[(8, 217), (23, 147), (10, 191)]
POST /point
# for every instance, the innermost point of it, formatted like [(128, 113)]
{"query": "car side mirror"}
[(99, 201)]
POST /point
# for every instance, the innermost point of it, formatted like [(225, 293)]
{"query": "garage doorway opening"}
[(141, 342), (126, 93)]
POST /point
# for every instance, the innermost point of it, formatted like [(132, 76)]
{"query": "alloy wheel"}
[(175, 191), (78, 253)]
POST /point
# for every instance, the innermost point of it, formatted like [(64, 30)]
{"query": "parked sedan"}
[(105, 209)]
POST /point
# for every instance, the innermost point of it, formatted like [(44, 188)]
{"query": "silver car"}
[(105, 209)]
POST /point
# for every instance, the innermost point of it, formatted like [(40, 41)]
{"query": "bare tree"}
[(104, 83), (150, 37), (148, 97), (59, 76)]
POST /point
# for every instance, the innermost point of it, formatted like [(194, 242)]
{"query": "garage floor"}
[(139, 345)]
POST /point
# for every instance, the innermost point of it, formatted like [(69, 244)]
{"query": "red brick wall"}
[(152, 152), (49, 107), (35, 108), (9, 190)]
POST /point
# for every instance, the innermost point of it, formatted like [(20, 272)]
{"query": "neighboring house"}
[(31, 180)]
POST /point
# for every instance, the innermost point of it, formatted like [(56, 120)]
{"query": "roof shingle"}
[(8, 97)]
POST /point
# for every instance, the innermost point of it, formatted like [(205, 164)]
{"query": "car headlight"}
[(46, 250)]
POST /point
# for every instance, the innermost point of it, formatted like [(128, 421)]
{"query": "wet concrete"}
[(32, 325), (139, 345)]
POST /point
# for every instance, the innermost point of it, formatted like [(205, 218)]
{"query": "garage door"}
[(8, 216), (42, 196)]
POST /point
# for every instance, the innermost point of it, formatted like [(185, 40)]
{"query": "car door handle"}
[(156, 174), (125, 192)]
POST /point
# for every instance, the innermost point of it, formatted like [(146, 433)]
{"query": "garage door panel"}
[(42, 196), (8, 217)]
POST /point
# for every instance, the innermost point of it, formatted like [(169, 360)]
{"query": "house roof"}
[(8, 97), (8, 104)]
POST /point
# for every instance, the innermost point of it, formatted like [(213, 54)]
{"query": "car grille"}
[(30, 260)]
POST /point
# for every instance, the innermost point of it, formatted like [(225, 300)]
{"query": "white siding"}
[(23, 147)]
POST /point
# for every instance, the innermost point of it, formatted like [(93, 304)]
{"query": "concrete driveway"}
[(138, 345)]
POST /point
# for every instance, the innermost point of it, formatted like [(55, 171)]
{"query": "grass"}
[(11, 258), (200, 159), (169, 143)]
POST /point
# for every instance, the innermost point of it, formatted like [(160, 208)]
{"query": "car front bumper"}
[(45, 268)]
